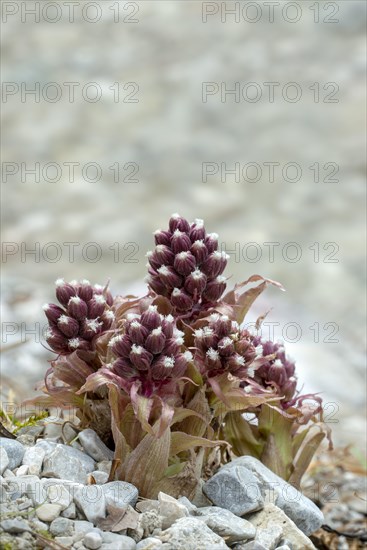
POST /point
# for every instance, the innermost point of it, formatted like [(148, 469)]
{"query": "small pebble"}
[(92, 540), (62, 527), (14, 450), (65, 541), (4, 460), (149, 543), (48, 512), (14, 526)]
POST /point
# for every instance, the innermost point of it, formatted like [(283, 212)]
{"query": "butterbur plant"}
[(172, 381)]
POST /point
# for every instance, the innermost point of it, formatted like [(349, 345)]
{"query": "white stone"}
[(65, 462), (119, 493), (48, 512), (70, 511), (65, 541), (22, 470), (62, 526), (4, 460), (33, 457), (270, 536), (92, 540), (90, 499), (170, 510), (271, 515), (121, 543), (150, 543), (190, 534), (58, 494), (14, 450), (227, 525)]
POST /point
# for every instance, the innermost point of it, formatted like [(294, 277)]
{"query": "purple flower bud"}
[(64, 291), (195, 283), (140, 357), (213, 359), (211, 242), (180, 242), (169, 276), (180, 365), (223, 326), (162, 237), (226, 346), (167, 326), (150, 318), (96, 306), (85, 290), (56, 340), (215, 264), (153, 260), (200, 251), (163, 367), (99, 289), (90, 328), (277, 373), (53, 313), (137, 332), (77, 308), (68, 326), (122, 367), (172, 347), (289, 388), (214, 289), (121, 345), (236, 363), (181, 300), (155, 341), (156, 284), (184, 263), (197, 231), (205, 338), (107, 319), (163, 255), (178, 222)]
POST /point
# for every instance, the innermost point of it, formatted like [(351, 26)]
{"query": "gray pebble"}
[(92, 540), (94, 446), (14, 450), (4, 460), (62, 526), (15, 526)]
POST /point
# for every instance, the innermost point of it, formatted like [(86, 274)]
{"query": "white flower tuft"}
[(59, 282), (115, 339), (156, 331), (169, 362), (93, 324), (74, 343), (259, 350), (75, 300), (46, 307), (212, 354), (251, 372), (64, 319), (188, 355), (100, 299), (136, 349)]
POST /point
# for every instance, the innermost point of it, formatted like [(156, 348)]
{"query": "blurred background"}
[(117, 114)]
